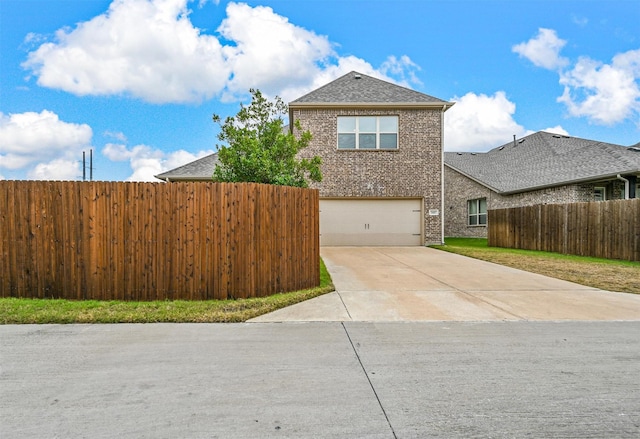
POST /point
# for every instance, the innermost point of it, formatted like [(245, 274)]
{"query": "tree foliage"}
[(258, 148)]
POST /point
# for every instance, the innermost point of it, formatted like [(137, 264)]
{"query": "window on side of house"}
[(477, 212), (600, 193), (368, 132)]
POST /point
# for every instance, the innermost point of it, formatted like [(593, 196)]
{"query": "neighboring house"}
[(542, 168), (382, 161), (198, 170)]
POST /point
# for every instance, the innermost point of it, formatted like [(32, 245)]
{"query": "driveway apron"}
[(424, 284)]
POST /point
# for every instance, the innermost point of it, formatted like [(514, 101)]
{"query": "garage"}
[(362, 222)]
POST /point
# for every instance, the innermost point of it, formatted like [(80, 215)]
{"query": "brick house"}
[(382, 161), (382, 157), (542, 168)]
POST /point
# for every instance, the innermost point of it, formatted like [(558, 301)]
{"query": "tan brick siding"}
[(414, 170), (458, 189)]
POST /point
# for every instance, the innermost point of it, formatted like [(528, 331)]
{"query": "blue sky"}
[(138, 80)]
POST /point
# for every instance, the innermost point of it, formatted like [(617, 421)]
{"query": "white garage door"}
[(370, 222)]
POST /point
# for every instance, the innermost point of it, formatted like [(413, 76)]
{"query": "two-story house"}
[(382, 151), (382, 161)]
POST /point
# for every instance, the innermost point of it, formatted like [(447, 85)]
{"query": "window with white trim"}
[(367, 132), (477, 212), (600, 193)]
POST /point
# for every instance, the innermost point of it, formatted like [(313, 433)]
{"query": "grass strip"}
[(606, 274), (41, 311)]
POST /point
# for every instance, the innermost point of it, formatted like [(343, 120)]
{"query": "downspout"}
[(444, 108), (626, 186)]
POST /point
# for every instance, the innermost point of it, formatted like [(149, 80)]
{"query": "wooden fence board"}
[(156, 241), (607, 229)]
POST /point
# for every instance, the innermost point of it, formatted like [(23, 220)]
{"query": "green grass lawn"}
[(23, 311), (606, 274)]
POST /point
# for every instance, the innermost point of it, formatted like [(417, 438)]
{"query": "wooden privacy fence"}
[(156, 241), (605, 229)]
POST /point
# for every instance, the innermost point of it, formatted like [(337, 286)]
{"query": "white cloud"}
[(480, 122), (403, 69), (27, 139), (604, 93), (269, 50), (343, 66), (543, 50), (116, 135), (146, 162), (149, 49), (556, 130), (57, 169)]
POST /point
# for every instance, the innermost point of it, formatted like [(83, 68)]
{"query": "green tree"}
[(260, 150)]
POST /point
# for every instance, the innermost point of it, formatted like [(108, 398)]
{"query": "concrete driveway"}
[(424, 284)]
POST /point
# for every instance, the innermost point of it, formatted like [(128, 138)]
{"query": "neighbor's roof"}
[(198, 170), (358, 89), (545, 160)]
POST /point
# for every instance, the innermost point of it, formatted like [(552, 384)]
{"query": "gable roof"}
[(357, 89), (351, 90), (544, 160), (198, 170)]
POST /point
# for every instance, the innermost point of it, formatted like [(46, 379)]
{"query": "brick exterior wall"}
[(459, 189), (414, 170)]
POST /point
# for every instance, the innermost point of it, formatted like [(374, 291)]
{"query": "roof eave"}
[(592, 179), (363, 105), (482, 183), (174, 178)]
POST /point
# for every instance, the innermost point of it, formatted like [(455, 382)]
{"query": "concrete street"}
[(415, 343), (329, 380)]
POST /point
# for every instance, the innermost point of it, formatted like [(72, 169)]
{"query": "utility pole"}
[(84, 165)]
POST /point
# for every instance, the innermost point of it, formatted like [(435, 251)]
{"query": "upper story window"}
[(368, 132), (477, 212)]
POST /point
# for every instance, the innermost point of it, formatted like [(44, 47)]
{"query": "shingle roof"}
[(544, 160), (201, 169), (198, 170), (357, 88)]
